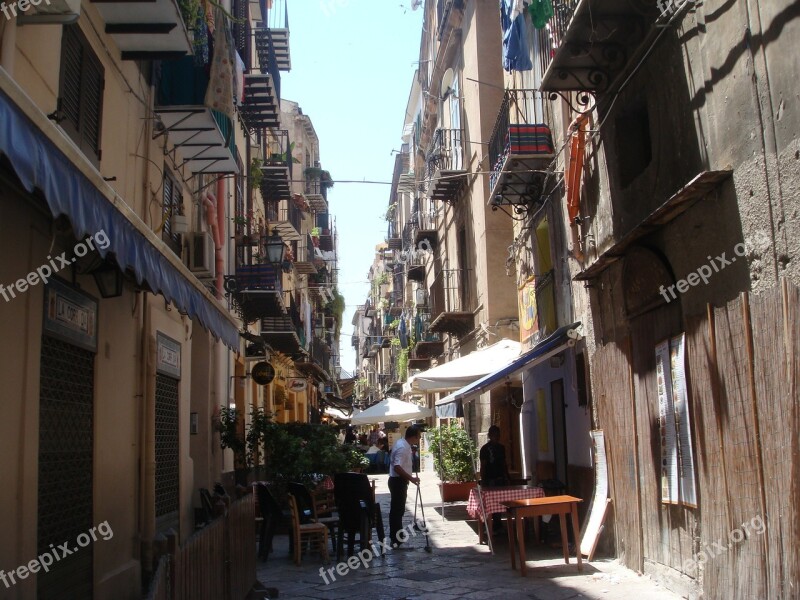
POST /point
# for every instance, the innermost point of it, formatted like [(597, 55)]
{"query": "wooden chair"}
[(312, 532), (323, 506)]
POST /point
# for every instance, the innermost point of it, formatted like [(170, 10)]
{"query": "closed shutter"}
[(171, 206), (81, 92), (167, 476)]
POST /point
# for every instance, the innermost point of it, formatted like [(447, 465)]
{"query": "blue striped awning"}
[(451, 406), (41, 165)]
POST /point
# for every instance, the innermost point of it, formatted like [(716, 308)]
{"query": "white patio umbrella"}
[(391, 409)]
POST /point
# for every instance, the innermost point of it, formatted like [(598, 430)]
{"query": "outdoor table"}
[(536, 507), (493, 498)]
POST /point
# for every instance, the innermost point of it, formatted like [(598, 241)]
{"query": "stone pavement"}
[(457, 566)]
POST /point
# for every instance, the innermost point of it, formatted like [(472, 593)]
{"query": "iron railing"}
[(443, 10), (320, 353), (304, 250), (450, 292), (550, 38), (285, 211), (277, 150), (519, 107), (446, 152)]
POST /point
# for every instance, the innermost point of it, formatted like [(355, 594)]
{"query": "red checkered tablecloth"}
[(492, 498)]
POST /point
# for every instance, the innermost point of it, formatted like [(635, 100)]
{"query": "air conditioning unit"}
[(201, 255), (54, 11)]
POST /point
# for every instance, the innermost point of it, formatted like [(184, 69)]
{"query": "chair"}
[(272, 515), (356, 503), (311, 532), (305, 504), (324, 505)]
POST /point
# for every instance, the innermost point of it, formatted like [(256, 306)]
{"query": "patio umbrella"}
[(391, 409)]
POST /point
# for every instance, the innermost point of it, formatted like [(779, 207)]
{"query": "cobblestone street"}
[(457, 567)]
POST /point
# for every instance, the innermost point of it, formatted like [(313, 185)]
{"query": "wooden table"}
[(536, 507), (493, 500)]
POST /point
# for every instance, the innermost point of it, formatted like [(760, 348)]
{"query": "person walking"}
[(400, 475)]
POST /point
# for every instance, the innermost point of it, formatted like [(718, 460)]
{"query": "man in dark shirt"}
[(494, 471)]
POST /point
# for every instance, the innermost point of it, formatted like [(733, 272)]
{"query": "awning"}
[(336, 414), (464, 370), (565, 337), (75, 189), (390, 409)]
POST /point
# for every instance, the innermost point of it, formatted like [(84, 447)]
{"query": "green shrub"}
[(453, 453)]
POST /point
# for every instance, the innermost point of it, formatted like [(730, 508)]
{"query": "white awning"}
[(391, 409), (462, 371)]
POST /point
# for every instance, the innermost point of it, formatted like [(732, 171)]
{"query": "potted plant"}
[(453, 454)]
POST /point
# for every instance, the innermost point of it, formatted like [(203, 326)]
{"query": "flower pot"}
[(455, 492)]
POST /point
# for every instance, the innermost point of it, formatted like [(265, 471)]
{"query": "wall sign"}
[(70, 315), (297, 384), (168, 356)]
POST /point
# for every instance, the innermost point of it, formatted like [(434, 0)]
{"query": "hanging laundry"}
[(219, 95), (402, 333), (515, 36), (541, 12)]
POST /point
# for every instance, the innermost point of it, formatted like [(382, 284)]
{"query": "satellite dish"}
[(447, 82)]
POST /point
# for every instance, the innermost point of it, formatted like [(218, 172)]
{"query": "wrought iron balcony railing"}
[(445, 168), (286, 218), (550, 38), (450, 302), (520, 147), (277, 166)]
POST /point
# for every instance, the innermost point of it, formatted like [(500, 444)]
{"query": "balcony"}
[(284, 332), (590, 44), (450, 303), (202, 138), (304, 256), (286, 218), (276, 181), (272, 36), (425, 227), (318, 361), (324, 231), (316, 188), (261, 102), (520, 150), (393, 239), (445, 167), (444, 11), (255, 292), (147, 30)]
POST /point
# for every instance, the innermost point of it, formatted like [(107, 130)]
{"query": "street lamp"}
[(275, 249)]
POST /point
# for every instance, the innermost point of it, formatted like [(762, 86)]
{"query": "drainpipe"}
[(8, 44), (221, 230), (147, 472), (212, 218)]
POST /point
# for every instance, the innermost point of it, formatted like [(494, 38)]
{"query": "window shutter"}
[(70, 89), (92, 106), (80, 91)]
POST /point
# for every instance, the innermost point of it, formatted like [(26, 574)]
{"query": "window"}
[(80, 92), (172, 205), (634, 147)]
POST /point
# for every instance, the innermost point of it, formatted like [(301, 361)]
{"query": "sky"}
[(352, 66)]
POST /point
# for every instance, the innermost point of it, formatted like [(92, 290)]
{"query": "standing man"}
[(494, 471), (400, 475)]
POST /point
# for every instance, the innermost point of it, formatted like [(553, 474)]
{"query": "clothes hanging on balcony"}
[(402, 333), (220, 92), (541, 12), (515, 36)]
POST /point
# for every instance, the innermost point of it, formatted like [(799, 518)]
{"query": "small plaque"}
[(168, 361), (70, 315)]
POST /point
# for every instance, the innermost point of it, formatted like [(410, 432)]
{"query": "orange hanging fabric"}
[(575, 169)]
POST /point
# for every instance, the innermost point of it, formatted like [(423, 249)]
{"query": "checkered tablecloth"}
[(492, 497)]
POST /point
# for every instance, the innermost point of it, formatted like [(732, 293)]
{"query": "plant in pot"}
[(453, 454)]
